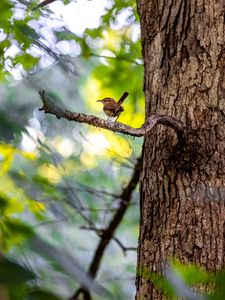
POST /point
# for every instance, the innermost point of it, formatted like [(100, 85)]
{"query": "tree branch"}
[(108, 233), (50, 107), (123, 248), (43, 3)]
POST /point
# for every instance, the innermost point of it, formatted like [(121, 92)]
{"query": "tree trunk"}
[(183, 186)]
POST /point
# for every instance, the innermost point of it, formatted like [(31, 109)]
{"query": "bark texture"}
[(183, 185)]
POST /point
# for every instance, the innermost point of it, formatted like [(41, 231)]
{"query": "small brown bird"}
[(112, 108)]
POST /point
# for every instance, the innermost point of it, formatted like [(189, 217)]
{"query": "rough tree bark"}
[(183, 184)]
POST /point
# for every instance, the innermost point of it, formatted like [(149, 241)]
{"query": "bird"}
[(111, 107)]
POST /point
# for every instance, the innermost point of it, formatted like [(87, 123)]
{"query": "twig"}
[(118, 58), (43, 3), (98, 231), (51, 108), (123, 248)]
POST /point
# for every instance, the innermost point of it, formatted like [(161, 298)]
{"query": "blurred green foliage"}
[(56, 178), (60, 180), (187, 281)]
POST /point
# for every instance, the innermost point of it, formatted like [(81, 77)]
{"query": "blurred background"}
[(60, 181)]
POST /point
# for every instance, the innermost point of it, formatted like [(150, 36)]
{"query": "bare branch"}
[(118, 57), (50, 108), (43, 3), (123, 248), (108, 234)]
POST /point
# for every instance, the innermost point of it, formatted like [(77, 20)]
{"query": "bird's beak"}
[(99, 101)]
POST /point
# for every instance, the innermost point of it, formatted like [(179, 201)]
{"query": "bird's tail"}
[(122, 98)]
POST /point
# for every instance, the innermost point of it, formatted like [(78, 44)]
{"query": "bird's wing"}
[(111, 108)]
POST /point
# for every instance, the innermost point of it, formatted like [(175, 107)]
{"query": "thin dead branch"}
[(123, 248), (43, 3), (108, 234)]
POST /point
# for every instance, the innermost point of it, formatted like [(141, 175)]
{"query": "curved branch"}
[(168, 121), (50, 107)]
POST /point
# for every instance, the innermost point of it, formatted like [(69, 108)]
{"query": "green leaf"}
[(65, 35), (18, 291), (28, 61), (3, 46), (13, 273), (42, 295), (17, 226), (190, 273), (13, 231), (3, 204)]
